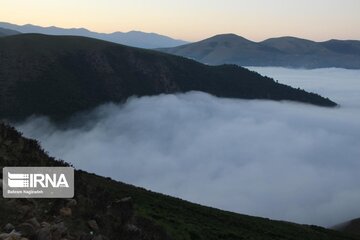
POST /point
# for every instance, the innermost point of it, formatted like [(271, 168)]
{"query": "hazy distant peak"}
[(7, 32), (27, 25), (348, 47), (287, 39), (131, 38), (228, 37), (294, 45), (140, 32)]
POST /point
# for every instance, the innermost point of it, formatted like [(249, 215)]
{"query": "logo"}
[(18, 180), (38, 182)]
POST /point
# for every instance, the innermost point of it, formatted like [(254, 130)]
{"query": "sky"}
[(281, 160), (194, 20)]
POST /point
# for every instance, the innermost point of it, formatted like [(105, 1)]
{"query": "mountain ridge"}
[(7, 32), (130, 38), (76, 73), (277, 52)]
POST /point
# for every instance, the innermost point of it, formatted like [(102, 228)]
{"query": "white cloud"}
[(279, 160)]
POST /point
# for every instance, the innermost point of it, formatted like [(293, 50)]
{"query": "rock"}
[(25, 210), (132, 228), (71, 203), (99, 237), (3, 236), (93, 225), (86, 237), (44, 224), (26, 230), (126, 199), (8, 228), (58, 231), (11, 236), (44, 234), (34, 222), (65, 212)]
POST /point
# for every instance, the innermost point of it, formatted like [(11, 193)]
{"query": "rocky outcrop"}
[(34, 219)]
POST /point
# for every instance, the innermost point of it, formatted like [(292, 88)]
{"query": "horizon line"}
[(180, 39)]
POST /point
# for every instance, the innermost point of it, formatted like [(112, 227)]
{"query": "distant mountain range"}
[(58, 76), (133, 38), (7, 32), (282, 52), (225, 48)]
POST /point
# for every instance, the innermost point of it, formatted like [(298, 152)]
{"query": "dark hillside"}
[(351, 227), (58, 76)]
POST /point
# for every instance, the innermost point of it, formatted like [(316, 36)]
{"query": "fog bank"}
[(280, 160)]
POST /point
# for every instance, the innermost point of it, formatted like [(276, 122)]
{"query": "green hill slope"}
[(148, 215), (61, 75)]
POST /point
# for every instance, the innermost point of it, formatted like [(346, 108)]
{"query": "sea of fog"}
[(281, 160)]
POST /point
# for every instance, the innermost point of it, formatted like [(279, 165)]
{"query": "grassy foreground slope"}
[(154, 216), (58, 76)]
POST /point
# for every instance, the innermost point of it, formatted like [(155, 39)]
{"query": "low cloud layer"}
[(279, 160)]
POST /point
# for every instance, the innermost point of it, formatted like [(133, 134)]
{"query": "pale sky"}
[(194, 20)]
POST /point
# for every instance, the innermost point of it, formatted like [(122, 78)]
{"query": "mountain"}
[(58, 76), (132, 38), (352, 227), (281, 52), (7, 32), (106, 209), (343, 47), (220, 49)]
